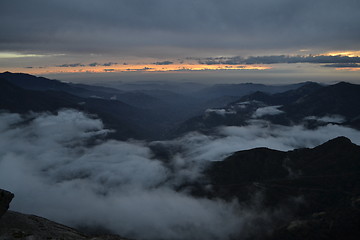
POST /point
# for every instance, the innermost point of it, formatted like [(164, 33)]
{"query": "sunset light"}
[(344, 53)]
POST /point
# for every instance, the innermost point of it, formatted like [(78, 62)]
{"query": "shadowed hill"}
[(341, 99), (326, 177), (116, 115), (311, 104)]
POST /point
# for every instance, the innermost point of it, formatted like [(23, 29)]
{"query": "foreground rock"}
[(14, 225), (5, 199)]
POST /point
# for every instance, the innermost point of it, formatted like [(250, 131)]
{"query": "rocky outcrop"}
[(5, 199), (16, 225)]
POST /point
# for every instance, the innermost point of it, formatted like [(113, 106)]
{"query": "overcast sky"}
[(55, 37)]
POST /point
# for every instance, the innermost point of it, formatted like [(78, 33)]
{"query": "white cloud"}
[(56, 172), (259, 133), (219, 111), (269, 110), (328, 118)]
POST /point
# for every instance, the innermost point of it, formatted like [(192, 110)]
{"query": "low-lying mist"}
[(62, 166)]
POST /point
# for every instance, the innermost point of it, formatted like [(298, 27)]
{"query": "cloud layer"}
[(177, 27), (74, 175), (338, 61)]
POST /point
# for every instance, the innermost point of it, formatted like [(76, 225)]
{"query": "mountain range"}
[(142, 113), (311, 104)]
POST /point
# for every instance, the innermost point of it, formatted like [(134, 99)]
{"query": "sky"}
[(270, 41)]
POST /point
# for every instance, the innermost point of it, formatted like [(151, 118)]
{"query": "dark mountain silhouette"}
[(125, 119), (161, 109), (284, 97), (337, 156), (177, 87), (341, 99), (16, 99), (308, 104), (237, 113), (243, 89), (315, 100), (326, 178), (169, 106), (149, 113), (30, 82)]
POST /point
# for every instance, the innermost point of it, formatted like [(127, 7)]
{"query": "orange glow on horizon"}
[(344, 53), (348, 69), (137, 68)]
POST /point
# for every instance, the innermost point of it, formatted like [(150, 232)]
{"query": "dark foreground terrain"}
[(320, 187), (14, 225)]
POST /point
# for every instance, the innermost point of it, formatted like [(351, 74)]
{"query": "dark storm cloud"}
[(142, 27), (343, 65), (94, 64), (71, 65), (138, 69), (109, 64), (280, 59), (164, 63)]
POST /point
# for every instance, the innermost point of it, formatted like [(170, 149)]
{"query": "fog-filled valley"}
[(181, 160)]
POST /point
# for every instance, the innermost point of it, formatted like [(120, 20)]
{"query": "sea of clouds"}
[(62, 166)]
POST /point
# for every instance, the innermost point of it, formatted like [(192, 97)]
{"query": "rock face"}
[(14, 225), (5, 199)]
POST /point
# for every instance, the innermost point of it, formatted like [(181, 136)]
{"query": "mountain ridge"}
[(311, 104), (325, 177)]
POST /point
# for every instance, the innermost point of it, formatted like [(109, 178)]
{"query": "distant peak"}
[(341, 139), (15, 74), (338, 141), (343, 84), (311, 83)]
